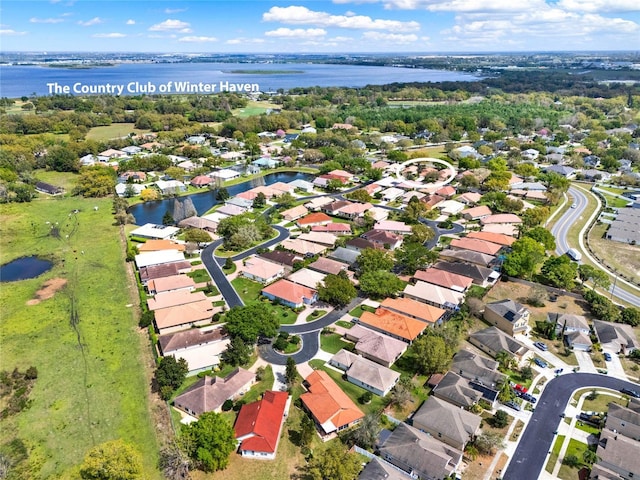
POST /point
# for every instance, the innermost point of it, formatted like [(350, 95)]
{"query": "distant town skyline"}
[(320, 26)]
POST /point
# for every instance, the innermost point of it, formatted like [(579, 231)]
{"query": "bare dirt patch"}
[(621, 256), (48, 290)]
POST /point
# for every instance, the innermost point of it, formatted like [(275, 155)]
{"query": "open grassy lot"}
[(92, 385), (65, 180), (621, 256), (555, 453), (115, 130), (332, 343), (254, 107)]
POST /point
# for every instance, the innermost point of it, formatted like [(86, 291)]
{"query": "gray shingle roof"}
[(453, 422)]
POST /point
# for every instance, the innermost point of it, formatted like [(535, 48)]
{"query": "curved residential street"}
[(561, 229), (530, 456)]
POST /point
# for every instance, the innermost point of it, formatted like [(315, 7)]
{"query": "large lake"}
[(152, 212), (16, 81)]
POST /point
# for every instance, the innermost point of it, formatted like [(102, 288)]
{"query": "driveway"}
[(614, 366), (585, 362), (528, 460)]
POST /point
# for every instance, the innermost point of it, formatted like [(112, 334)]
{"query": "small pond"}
[(23, 268)]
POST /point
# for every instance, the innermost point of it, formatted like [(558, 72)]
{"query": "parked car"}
[(528, 398), (542, 346), (558, 371), (607, 356), (541, 363), (631, 393), (519, 388), (512, 404)]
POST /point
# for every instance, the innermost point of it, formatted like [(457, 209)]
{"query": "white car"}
[(574, 205)]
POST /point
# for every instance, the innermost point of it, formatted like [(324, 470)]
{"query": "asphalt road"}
[(537, 439), (561, 229), (213, 266)]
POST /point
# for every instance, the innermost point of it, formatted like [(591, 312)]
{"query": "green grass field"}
[(332, 343), (60, 179), (114, 130), (91, 384)]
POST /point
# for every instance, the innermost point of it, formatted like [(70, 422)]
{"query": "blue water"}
[(152, 212), (23, 268), (16, 81)]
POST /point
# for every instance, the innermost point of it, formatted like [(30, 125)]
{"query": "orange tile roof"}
[(318, 217), (327, 402), (498, 238), (263, 421), (413, 308), (394, 323)]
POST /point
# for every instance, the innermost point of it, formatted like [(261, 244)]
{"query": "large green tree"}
[(95, 181), (170, 375), (335, 463), (337, 290), (237, 352), (542, 235), (371, 259), (380, 283), (526, 254), (412, 256), (250, 322), (209, 441), (431, 354), (560, 272), (113, 460)]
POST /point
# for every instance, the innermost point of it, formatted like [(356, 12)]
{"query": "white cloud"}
[(195, 39), (109, 35), (243, 40), (296, 15), (93, 21), (296, 32), (46, 20), (397, 38), (10, 32), (131, 22), (170, 11), (594, 6), (171, 25)]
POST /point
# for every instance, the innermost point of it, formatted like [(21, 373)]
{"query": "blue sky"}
[(340, 26)]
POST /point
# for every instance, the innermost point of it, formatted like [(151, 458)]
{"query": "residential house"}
[(174, 298), (122, 189), (419, 454), (434, 295), (475, 245), (499, 218), (353, 211), (321, 238), (180, 317), (334, 228), (170, 284), (391, 193), (447, 423), (393, 324), (452, 281), (375, 346), (231, 210), (244, 203), (379, 469), (155, 258), (509, 316), (294, 213), (330, 407), (157, 245), (492, 341), (479, 370), (617, 337), (393, 226), (563, 170), (112, 153), (209, 393), (476, 213), (199, 347), (446, 192), (383, 239), (481, 276), (290, 294), (132, 150), (466, 151), (501, 228), (328, 266), (281, 257), (457, 390), (170, 187), (334, 207), (154, 231), (411, 308), (261, 270), (259, 425), (358, 244), (345, 255), (568, 323), (467, 256), (348, 177), (201, 181), (500, 239), (225, 174), (406, 198), (314, 219), (303, 247), (450, 207), (469, 198), (48, 188), (202, 223), (364, 373), (308, 278), (163, 270), (302, 185)]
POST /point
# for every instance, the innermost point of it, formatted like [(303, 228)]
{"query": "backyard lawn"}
[(199, 276), (332, 343), (92, 385), (249, 292), (114, 130)]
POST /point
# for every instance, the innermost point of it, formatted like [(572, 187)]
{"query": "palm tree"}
[(505, 360)]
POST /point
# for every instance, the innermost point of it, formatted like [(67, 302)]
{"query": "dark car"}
[(541, 346), (541, 363), (607, 356), (528, 397), (631, 393), (512, 404)]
